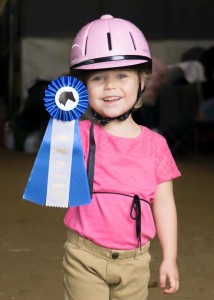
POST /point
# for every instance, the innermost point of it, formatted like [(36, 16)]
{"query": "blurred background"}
[(35, 41)]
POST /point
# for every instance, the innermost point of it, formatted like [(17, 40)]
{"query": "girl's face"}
[(112, 92)]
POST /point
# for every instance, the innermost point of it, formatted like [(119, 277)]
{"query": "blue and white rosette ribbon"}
[(59, 177)]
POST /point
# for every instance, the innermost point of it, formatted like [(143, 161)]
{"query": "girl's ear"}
[(142, 81)]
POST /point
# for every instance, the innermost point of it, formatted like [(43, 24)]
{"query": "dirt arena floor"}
[(32, 237)]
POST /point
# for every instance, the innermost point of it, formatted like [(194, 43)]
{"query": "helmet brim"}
[(111, 64)]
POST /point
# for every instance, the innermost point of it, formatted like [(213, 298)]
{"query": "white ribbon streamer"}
[(60, 163)]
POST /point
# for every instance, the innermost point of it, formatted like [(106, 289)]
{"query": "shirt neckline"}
[(121, 137)]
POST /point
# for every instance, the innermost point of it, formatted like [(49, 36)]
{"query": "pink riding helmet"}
[(108, 43)]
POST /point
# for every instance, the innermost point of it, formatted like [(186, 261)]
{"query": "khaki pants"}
[(97, 273)]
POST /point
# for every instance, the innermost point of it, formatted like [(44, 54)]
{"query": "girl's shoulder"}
[(84, 123), (153, 136), (84, 126), (155, 142)]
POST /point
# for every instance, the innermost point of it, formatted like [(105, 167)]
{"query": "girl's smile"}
[(111, 99)]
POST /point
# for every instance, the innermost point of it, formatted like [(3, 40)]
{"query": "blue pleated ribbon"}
[(58, 177)]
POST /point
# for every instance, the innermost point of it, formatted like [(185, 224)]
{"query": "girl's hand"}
[(169, 277)]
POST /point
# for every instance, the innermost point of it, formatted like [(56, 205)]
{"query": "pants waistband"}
[(86, 244)]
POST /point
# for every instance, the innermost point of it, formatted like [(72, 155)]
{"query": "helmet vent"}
[(86, 42), (109, 41), (132, 40)]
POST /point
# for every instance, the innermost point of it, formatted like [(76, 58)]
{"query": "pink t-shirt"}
[(122, 165)]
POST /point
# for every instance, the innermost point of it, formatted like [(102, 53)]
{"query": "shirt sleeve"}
[(167, 168)]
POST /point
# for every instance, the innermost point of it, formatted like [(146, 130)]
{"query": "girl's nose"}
[(109, 83)]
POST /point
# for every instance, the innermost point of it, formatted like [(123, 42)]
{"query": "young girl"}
[(130, 169)]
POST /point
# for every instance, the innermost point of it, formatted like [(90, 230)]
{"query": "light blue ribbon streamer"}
[(36, 188)]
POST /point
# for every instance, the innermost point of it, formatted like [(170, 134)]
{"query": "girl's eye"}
[(122, 75), (97, 78)]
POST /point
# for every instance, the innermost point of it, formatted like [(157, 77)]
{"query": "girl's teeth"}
[(111, 98)]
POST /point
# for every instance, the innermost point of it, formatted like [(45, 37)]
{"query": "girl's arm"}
[(166, 223)]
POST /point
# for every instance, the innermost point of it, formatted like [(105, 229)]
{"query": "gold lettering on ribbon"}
[(58, 193), (60, 163), (58, 185), (59, 176), (62, 138), (61, 150)]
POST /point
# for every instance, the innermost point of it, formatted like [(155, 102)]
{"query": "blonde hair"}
[(145, 74)]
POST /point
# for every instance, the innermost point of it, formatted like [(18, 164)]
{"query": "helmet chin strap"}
[(123, 117)]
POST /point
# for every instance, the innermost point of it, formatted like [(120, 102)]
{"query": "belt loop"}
[(142, 250), (137, 251), (80, 240)]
